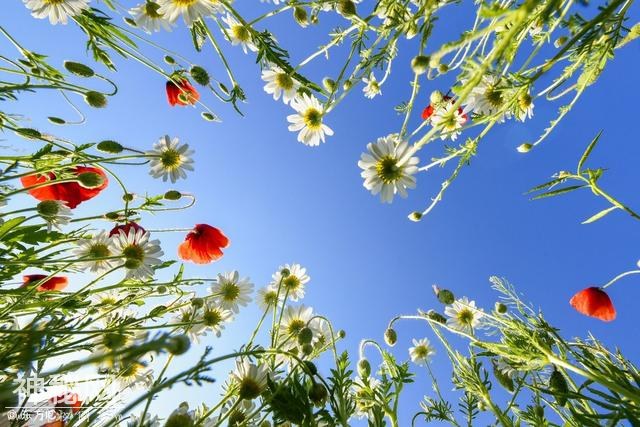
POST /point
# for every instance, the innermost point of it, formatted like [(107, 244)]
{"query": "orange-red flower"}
[(67, 402), (125, 228), (203, 244), (73, 193), (180, 92), (55, 283), (594, 302)]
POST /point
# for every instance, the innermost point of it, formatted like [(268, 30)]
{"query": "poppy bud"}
[(329, 84), (420, 64), (558, 386), (172, 195), (501, 308), (311, 367), (301, 16), (390, 337), (346, 8), (90, 179), (95, 99), (109, 146), (56, 120), (307, 349), (524, 148), (318, 394), (435, 316), (78, 69), (169, 60), (178, 345), (127, 197), (305, 336), (200, 75), (364, 368), (445, 296), (208, 116), (112, 215)]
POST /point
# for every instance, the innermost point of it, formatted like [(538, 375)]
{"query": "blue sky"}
[(282, 202)]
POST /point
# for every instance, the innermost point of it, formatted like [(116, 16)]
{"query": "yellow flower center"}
[(133, 252), (291, 283), (387, 169), (312, 118), (295, 326), (170, 159), (99, 250), (241, 33), (421, 351), (230, 291), (465, 317), (494, 96), (212, 318), (284, 81), (184, 3)]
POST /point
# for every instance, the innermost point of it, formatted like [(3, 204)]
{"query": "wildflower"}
[(251, 379), (280, 83), (181, 92), (594, 302), (438, 100), (294, 320), (95, 253), (73, 193), (236, 414), (140, 253), (170, 159), (125, 228), (449, 120), (191, 10), (107, 299), (487, 98), (231, 292), (364, 390), (181, 416), (214, 317), (463, 315), (268, 297), (55, 283), (372, 87), (203, 244), (149, 421), (238, 34), (308, 121), (58, 11), (292, 282), (148, 18), (134, 374), (388, 168), (54, 212), (524, 107), (421, 351)]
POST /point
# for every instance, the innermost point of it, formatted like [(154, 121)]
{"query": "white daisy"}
[(170, 159), (140, 254), (421, 351), (372, 87), (56, 10), (308, 120), (524, 107), (240, 414), (268, 297), (388, 168), (194, 329), (251, 379), (463, 315), (191, 10), (54, 212), (322, 333), (231, 292), (238, 34), (487, 98), (213, 317), (280, 83), (294, 320), (148, 18), (449, 120), (149, 421), (133, 375), (181, 416), (292, 282), (106, 300), (93, 252)]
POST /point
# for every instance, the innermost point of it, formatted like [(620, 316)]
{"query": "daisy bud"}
[(109, 146), (178, 345), (179, 419), (197, 302), (445, 296), (95, 99), (285, 272), (346, 8), (415, 216), (48, 208), (172, 195), (501, 308), (169, 60), (364, 368), (114, 340), (314, 19), (329, 84), (342, 333), (436, 97), (524, 148), (305, 336), (208, 116), (127, 197), (57, 120), (318, 394), (560, 41), (347, 85), (435, 316), (307, 349), (558, 386), (420, 64), (78, 69), (301, 16), (311, 368), (162, 289), (443, 68), (505, 380), (112, 215), (390, 337), (200, 75), (90, 179)]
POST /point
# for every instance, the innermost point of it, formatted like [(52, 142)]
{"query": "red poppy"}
[(594, 302), (428, 111), (180, 92), (66, 400), (73, 193), (55, 283), (125, 228), (203, 244)]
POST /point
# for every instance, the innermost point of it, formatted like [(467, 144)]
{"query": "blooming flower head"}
[(280, 83), (594, 302), (463, 315), (95, 253), (524, 107), (449, 120), (191, 10), (170, 159), (251, 379), (54, 212), (236, 413), (388, 168), (268, 297), (308, 121), (148, 18), (372, 86), (58, 11), (231, 292), (294, 320), (181, 92), (291, 278), (238, 34), (213, 317), (140, 253), (181, 416), (487, 98), (55, 283), (421, 351), (203, 244), (134, 374), (72, 193)]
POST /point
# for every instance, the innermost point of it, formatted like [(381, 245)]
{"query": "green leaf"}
[(558, 192), (587, 152), (10, 224), (599, 215), (546, 185)]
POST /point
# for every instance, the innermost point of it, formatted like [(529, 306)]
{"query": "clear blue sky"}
[(280, 201)]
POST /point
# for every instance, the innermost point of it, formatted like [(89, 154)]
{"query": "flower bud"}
[(127, 197), (307, 349), (364, 368), (390, 337), (172, 195), (208, 116), (420, 64), (162, 289), (285, 272), (558, 386), (301, 16), (132, 263), (169, 60), (342, 333), (178, 345), (78, 69), (560, 41), (305, 336), (524, 148), (311, 368), (109, 146), (501, 308), (443, 68), (197, 302), (435, 316), (445, 296), (95, 99), (329, 84), (318, 394), (48, 208), (436, 97), (112, 215), (346, 8), (90, 179), (200, 75), (56, 120)]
